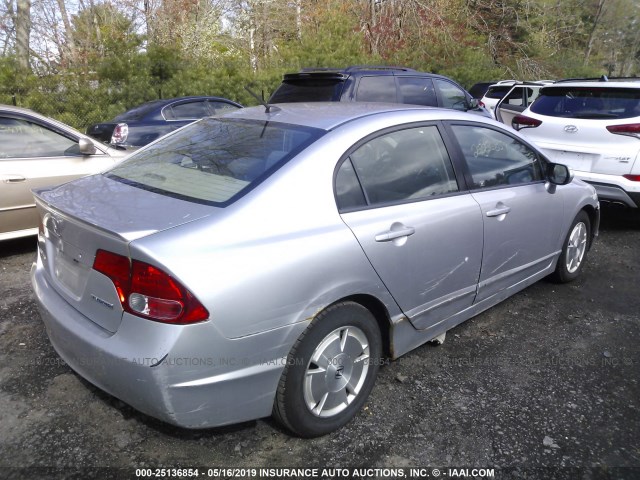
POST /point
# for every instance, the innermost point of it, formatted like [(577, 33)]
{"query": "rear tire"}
[(574, 250), (330, 371)]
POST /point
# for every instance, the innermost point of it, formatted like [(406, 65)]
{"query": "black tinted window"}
[(417, 91), (377, 89), (497, 92), (308, 90), (189, 111), (588, 102), (140, 111), (496, 159), (404, 165)]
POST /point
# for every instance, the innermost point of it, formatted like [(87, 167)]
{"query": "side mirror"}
[(473, 104), (559, 174), (86, 146)]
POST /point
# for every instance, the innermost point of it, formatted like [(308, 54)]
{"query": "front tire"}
[(574, 250), (330, 371)]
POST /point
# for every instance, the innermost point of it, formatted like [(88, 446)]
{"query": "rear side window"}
[(308, 90), (410, 164), (140, 111), (218, 108), (377, 89), (495, 159), (497, 92), (588, 102), (417, 91), (213, 161), (187, 111)]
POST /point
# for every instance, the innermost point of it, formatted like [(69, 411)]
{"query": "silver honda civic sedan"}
[(266, 262)]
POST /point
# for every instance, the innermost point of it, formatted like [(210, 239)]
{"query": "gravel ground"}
[(544, 385)]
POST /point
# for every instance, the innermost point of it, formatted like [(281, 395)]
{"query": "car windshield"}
[(308, 90), (588, 102), (214, 161), (140, 111)]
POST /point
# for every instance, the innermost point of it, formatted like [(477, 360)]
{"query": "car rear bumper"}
[(190, 376)]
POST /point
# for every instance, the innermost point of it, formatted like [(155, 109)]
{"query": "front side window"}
[(497, 92), (451, 95), (409, 164), (496, 159), (20, 138), (377, 89), (594, 103), (214, 160)]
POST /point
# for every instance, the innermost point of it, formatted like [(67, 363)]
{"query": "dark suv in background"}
[(374, 84)]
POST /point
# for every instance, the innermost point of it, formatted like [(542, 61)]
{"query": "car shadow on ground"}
[(18, 246), (619, 218)]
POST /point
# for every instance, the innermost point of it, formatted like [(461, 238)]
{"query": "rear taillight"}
[(521, 121), (120, 133), (481, 104), (631, 129), (148, 292), (633, 178)]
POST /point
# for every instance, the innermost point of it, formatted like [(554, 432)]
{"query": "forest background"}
[(84, 61)]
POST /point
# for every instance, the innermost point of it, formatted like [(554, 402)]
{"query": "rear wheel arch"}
[(306, 382), (593, 219), (380, 313)]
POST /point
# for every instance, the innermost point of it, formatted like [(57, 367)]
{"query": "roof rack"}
[(319, 69), (602, 78), (355, 68)]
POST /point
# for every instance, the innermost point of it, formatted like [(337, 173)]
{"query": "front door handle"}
[(13, 178), (393, 234), (496, 212)]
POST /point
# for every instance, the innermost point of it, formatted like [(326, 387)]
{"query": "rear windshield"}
[(588, 102), (308, 90), (214, 161), (497, 92), (140, 111)]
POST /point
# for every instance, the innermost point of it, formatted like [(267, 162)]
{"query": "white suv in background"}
[(592, 126), (514, 92)]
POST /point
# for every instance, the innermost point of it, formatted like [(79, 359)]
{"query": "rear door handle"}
[(13, 178), (496, 212), (393, 234)]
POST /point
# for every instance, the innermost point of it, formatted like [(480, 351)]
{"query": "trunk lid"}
[(93, 213)]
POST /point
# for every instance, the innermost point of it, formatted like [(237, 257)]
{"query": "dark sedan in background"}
[(143, 124)]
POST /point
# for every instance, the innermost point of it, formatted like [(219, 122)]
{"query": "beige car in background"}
[(36, 151)]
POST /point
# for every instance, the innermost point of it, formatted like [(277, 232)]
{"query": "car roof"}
[(596, 84), (44, 118), (329, 115), (361, 70)]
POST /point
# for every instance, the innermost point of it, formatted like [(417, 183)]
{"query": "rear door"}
[(522, 215), (399, 195), (515, 102), (34, 154)]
